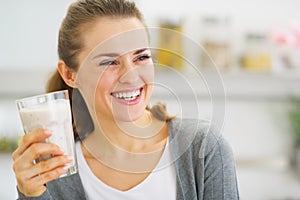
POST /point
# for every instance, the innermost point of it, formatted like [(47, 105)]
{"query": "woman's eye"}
[(143, 57), (106, 63)]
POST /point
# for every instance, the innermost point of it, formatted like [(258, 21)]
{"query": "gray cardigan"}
[(204, 165)]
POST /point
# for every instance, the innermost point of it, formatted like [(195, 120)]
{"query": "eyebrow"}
[(116, 55), (140, 51)]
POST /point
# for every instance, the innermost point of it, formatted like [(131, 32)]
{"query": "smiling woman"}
[(124, 149)]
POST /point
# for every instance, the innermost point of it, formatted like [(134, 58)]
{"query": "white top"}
[(159, 185)]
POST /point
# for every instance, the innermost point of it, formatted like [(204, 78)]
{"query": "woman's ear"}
[(68, 74)]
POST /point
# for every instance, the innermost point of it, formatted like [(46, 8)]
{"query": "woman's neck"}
[(116, 144), (141, 136)]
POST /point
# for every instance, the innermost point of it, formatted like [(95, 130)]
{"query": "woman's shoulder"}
[(198, 129), (198, 135), (198, 146)]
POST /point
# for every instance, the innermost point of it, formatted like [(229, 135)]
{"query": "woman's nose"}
[(129, 73)]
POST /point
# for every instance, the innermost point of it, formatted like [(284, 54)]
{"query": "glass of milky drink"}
[(51, 112)]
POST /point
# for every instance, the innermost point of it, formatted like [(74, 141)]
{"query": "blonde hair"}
[(80, 13)]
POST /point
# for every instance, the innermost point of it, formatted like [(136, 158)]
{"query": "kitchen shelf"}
[(238, 84)]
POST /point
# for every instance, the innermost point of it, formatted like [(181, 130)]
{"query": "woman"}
[(124, 149)]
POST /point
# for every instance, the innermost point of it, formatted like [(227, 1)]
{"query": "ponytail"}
[(159, 111)]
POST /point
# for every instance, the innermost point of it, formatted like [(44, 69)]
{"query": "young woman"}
[(124, 149)]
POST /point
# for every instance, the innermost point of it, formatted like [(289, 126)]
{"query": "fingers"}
[(31, 177), (50, 175), (48, 165), (33, 187), (37, 149), (34, 152), (31, 180), (28, 139)]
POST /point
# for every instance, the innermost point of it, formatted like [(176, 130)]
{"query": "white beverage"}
[(55, 116)]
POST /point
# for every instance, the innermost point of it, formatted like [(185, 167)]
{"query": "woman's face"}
[(116, 72)]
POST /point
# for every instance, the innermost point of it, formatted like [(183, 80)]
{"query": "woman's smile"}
[(129, 96)]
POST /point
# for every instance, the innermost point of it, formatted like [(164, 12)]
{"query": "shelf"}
[(238, 85)]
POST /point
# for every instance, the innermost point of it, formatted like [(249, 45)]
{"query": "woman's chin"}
[(128, 117)]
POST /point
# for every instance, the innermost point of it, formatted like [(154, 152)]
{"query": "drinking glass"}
[(52, 112)]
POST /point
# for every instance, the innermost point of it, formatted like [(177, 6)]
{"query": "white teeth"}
[(129, 96)]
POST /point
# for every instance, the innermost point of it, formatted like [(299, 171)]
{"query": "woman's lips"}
[(128, 97)]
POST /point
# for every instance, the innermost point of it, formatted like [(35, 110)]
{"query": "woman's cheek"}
[(106, 81), (87, 82), (147, 73)]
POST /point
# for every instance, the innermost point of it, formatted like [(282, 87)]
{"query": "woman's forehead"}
[(118, 36), (123, 43)]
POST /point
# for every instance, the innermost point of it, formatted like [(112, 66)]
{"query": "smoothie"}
[(54, 116)]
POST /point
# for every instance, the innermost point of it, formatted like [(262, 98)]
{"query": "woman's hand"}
[(32, 177)]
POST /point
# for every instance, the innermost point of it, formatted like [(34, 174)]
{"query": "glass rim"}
[(41, 95)]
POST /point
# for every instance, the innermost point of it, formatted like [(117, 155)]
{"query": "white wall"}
[(245, 14), (29, 28), (29, 32)]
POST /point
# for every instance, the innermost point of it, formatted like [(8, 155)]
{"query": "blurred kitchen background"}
[(254, 44)]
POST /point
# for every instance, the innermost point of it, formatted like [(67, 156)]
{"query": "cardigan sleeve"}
[(204, 161), (45, 196), (220, 181)]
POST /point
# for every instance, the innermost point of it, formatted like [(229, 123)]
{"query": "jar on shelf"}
[(286, 50), (170, 49), (216, 42), (257, 52)]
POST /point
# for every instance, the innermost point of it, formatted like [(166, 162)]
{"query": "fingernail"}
[(61, 150), (47, 132), (70, 158)]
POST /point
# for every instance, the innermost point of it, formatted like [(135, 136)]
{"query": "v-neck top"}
[(160, 184)]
